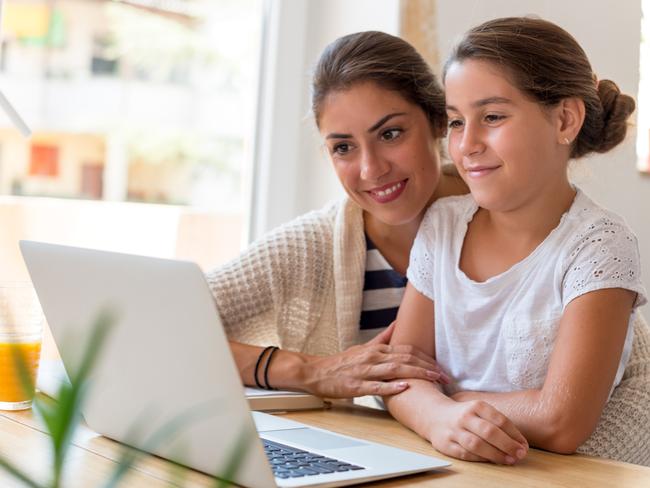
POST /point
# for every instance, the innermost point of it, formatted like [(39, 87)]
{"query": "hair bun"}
[(617, 108)]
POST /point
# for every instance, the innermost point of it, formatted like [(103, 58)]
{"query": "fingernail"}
[(445, 378), (521, 453), (510, 460), (402, 384)]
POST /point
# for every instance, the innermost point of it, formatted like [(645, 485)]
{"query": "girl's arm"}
[(473, 431), (562, 414)]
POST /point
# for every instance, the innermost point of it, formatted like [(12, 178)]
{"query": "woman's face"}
[(504, 144), (383, 151)]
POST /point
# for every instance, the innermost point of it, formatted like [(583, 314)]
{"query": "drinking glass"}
[(21, 331)]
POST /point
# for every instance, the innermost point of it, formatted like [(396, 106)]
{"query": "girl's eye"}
[(391, 134), (493, 118), (455, 123), (341, 148)]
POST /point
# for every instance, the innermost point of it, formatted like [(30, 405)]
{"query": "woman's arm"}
[(473, 431), (562, 414), (293, 264), (360, 370)]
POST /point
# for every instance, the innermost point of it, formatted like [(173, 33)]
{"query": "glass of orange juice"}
[(21, 329)]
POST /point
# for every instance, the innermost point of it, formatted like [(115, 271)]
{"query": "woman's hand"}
[(476, 431), (373, 368)]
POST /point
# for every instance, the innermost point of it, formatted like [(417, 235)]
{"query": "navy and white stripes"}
[(383, 288)]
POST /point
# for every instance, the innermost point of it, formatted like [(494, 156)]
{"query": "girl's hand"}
[(369, 369), (476, 431)]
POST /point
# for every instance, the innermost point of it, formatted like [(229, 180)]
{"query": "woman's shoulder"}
[(315, 224)]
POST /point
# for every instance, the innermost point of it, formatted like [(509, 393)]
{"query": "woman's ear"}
[(571, 115)]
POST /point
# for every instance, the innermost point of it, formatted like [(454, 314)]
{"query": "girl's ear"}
[(571, 115)]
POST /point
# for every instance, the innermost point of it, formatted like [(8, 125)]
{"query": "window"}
[(142, 113), (643, 106)]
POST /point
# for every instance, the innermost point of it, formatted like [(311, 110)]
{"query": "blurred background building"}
[(133, 101)]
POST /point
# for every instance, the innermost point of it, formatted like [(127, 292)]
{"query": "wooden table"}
[(92, 458)]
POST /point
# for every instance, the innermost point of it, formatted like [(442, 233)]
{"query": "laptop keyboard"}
[(290, 462)]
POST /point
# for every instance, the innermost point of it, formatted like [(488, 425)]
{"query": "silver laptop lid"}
[(166, 357)]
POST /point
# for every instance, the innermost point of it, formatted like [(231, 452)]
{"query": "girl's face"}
[(504, 144), (383, 151)]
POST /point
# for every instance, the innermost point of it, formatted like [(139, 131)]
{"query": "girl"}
[(532, 285)]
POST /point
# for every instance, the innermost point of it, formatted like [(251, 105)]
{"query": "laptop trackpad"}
[(314, 439)]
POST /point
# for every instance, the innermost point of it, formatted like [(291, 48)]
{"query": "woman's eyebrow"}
[(375, 126), (484, 101), (383, 120)]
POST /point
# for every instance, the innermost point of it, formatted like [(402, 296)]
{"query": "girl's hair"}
[(386, 60), (545, 62)]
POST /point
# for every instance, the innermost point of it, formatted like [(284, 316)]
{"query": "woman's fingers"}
[(393, 371), (381, 388), (384, 336)]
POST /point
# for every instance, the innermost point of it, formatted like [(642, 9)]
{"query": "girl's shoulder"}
[(591, 221)]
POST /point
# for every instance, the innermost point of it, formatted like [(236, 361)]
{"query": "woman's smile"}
[(389, 192)]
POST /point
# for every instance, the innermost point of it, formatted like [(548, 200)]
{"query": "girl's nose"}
[(471, 141)]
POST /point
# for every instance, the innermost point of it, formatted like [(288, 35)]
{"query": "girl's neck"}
[(496, 241), (534, 219)]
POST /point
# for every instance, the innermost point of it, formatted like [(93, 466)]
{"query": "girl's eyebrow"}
[(374, 127), (484, 101)]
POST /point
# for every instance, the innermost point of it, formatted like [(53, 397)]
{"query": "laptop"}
[(167, 358)]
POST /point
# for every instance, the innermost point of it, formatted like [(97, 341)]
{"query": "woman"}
[(381, 113), (534, 285)]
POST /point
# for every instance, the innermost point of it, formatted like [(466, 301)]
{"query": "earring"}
[(567, 141)]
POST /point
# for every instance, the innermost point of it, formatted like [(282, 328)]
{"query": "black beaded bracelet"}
[(257, 367), (266, 368)]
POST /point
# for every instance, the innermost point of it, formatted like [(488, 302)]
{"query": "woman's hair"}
[(386, 60), (546, 63)]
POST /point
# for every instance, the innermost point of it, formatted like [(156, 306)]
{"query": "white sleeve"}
[(420, 270), (604, 255)]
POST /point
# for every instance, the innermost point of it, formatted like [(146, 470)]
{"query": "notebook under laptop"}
[(167, 358)]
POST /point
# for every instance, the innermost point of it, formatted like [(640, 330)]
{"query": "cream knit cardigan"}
[(301, 286)]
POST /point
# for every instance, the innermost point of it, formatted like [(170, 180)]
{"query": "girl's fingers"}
[(478, 446), (496, 418), (503, 449), (459, 452)]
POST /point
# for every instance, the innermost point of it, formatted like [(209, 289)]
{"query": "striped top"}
[(383, 288)]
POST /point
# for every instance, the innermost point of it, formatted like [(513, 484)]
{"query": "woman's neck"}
[(393, 241)]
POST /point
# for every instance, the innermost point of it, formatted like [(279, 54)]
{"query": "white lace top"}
[(498, 335)]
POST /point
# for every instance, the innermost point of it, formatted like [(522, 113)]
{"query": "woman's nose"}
[(373, 166)]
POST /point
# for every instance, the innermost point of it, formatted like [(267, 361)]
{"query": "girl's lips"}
[(480, 171), (389, 192)]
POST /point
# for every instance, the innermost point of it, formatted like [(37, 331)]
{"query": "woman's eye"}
[(390, 134), (341, 148), (455, 123)]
